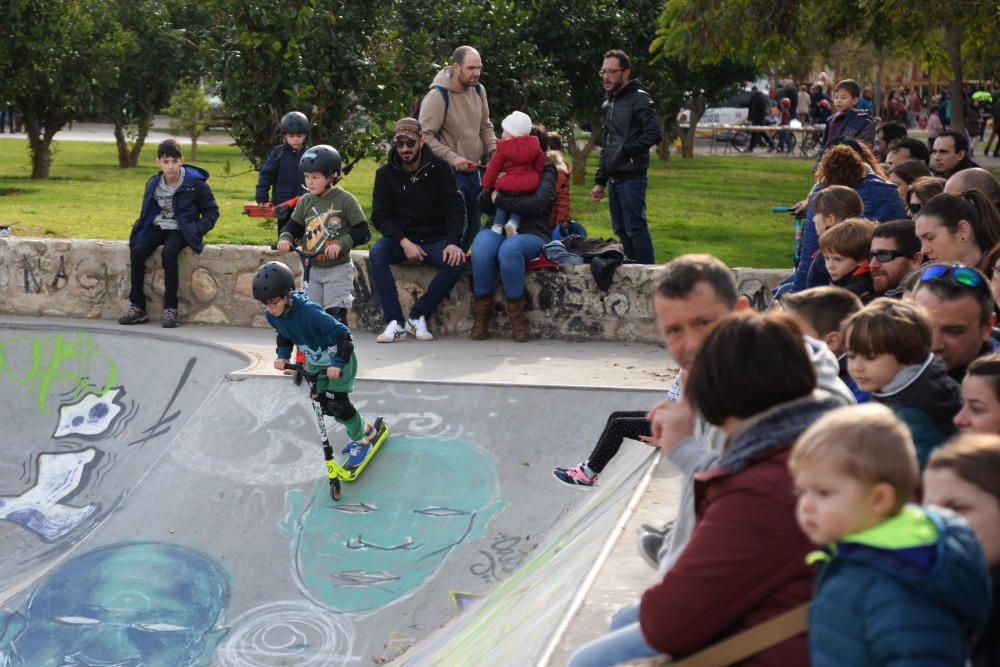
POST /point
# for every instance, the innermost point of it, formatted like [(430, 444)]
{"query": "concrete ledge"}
[(90, 279)]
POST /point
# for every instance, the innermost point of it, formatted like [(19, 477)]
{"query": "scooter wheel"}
[(335, 491)]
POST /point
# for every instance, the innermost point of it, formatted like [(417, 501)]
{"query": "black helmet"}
[(294, 122), (320, 158), (272, 280)]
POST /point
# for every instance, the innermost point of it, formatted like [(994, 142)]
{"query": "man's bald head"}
[(975, 178)]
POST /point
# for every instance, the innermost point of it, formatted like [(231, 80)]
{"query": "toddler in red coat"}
[(515, 167)]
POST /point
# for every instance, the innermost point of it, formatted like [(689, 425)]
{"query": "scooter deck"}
[(381, 435)]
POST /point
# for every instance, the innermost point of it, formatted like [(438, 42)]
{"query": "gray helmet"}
[(272, 280), (321, 158), (294, 122)]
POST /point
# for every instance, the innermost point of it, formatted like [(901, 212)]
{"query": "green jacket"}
[(327, 217)]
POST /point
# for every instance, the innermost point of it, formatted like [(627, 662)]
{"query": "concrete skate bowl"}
[(158, 507)]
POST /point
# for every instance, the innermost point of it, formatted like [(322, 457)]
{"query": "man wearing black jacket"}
[(631, 129), (418, 209)]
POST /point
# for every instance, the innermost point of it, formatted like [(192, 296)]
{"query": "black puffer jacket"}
[(533, 207), (423, 206), (631, 128), (280, 175)]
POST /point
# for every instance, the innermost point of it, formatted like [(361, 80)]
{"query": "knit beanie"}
[(517, 123)]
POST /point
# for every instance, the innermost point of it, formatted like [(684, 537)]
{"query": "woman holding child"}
[(511, 252), (745, 562)]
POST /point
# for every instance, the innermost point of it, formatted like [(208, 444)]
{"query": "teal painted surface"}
[(418, 500), (125, 605)]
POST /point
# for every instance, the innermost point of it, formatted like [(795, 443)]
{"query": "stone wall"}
[(90, 279)]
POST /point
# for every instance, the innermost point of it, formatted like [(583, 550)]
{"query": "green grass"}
[(720, 205)]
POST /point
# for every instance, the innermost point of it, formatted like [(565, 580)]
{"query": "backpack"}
[(415, 109)]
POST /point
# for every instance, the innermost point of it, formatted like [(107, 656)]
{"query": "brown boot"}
[(482, 311), (518, 319)]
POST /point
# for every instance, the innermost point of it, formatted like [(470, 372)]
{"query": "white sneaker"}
[(497, 229), (418, 328), (393, 332), (511, 229)]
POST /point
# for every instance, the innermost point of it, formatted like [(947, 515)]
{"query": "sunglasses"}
[(884, 256), (406, 143), (960, 275), (271, 302)]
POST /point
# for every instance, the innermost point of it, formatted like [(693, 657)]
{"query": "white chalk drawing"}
[(39, 508), (91, 416), (274, 422), (288, 632)]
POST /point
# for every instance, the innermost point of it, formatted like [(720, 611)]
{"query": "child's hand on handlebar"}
[(284, 246), (332, 250), (333, 372), (280, 364)]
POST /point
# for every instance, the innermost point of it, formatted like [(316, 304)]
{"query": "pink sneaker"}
[(575, 476)]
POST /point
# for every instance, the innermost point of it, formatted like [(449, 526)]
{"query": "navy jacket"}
[(882, 605), (195, 209), (280, 174)]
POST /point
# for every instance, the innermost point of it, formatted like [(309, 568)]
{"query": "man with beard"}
[(894, 254), (418, 209)]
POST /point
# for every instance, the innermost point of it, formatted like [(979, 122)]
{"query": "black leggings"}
[(620, 425)]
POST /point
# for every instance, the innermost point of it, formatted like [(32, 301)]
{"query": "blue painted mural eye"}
[(97, 412), (440, 511), (77, 420), (162, 627), (75, 620)]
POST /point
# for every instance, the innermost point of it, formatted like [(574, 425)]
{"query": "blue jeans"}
[(623, 642), (627, 201), (503, 216), (470, 184), (512, 252), (387, 252)]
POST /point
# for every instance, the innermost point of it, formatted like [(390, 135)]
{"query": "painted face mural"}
[(127, 605), (395, 528)]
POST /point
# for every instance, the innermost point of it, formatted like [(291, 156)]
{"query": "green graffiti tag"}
[(66, 366)]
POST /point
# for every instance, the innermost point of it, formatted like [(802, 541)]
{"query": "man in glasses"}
[(418, 209), (960, 303), (631, 129), (894, 254), (455, 120)]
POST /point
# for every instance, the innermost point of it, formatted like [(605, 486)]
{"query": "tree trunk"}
[(667, 130), (953, 47), (580, 154), (140, 140), (122, 142), (688, 135), (194, 147), (40, 144)]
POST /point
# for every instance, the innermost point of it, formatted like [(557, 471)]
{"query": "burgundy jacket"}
[(520, 160), (745, 562)]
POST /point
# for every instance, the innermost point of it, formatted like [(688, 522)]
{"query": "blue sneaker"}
[(358, 451)]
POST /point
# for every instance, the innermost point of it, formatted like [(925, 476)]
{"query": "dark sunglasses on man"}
[(406, 143), (885, 256)]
